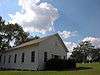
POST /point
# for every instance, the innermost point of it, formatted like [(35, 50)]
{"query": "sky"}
[(74, 20)]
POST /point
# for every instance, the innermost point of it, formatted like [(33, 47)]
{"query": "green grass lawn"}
[(85, 69)]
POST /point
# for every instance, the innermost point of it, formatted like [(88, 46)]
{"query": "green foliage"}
[(96, 55), (12, 32), (9, 32), (3, 43), (60, 64), (83, 52)]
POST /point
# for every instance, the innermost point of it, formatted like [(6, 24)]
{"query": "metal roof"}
[(37, 41)]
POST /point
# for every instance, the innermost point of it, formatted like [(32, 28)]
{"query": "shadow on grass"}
[(74, 69), (83, 68), (15, 70)]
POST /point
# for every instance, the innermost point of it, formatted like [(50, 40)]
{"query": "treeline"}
[(12, 32), (85, 52)]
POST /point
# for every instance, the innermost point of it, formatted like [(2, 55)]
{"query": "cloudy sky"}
[(74, 20)]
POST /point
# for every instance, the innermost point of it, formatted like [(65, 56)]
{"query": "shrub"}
[(60, 64)]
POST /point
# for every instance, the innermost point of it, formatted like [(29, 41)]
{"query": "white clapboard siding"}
[(53, 45)]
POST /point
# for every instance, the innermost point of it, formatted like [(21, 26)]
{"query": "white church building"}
[(32, 55)]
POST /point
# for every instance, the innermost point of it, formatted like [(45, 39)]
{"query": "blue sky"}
[(79, 16)]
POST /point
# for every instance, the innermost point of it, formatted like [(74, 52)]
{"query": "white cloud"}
[(67, 34), (35, 16), (12, 43), (95, 41), (70, 45)]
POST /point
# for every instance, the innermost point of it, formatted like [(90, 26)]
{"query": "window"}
[(45, 56), (4, 59), (9, 59), (0, 58), (55, 56), (32, 56), (64, 57), (23, 55), (52, 56), (15, 58)]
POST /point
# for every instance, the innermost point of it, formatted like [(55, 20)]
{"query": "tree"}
[(3, 43), (10, 32), (83, 51), (96, 55)]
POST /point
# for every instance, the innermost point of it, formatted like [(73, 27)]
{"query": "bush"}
[(60, 64)]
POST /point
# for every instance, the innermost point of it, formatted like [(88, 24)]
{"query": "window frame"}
[(0, 58), (9, 59), (45, 56), (22, 57), (33, 56), (15, 58), (4, 61)]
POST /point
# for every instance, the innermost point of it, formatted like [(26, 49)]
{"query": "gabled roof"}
[(39, 40)]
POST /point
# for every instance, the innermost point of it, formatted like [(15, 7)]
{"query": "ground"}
[(85, 69)]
